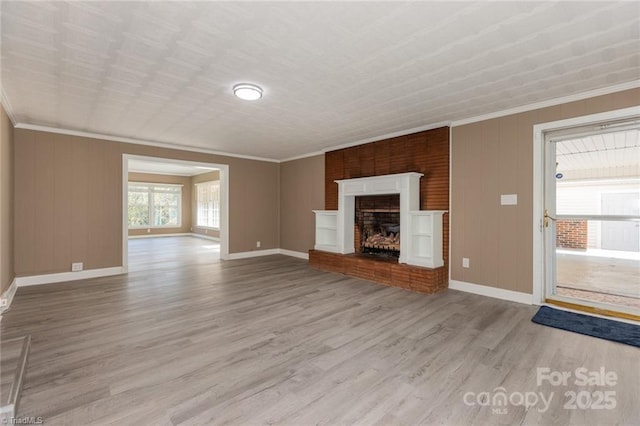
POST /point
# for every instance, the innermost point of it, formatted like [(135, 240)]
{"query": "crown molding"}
[(524, 108), (550, 102), (92, 135), (389, 135), (300, 157), (4, 100)]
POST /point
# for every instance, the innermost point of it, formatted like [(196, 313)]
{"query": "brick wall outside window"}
[(571, 234)]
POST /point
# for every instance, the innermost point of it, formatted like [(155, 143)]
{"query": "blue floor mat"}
[(615, 331)]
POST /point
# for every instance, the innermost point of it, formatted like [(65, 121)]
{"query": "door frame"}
[(539, 130), (224, 202)]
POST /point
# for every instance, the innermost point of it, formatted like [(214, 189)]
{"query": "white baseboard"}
[(69, 276), (496, 293), (256, 253), (7, 297), (206, 237), (182, 234), (7, 411), (105, 272), (297, 254)]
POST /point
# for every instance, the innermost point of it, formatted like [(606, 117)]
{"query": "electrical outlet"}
[(257, 244), (3, 303), (206, 231), (148, 230), (465, 262), (76, 267)]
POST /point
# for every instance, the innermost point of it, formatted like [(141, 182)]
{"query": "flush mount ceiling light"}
[(247, 92)]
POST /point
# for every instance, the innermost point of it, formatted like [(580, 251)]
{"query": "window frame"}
[(151, 203), (197, 207)]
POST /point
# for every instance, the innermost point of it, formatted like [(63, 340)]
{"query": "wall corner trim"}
[(255, 253), (496, 293), (4, 100), (7, 296), (268, 252), (69, 276), (298, 254)]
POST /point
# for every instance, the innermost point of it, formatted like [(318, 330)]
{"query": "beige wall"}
[(68, 204), (205, 177), (301, 191), (6, 201), (185, 181), (68, 200), (495, 157)]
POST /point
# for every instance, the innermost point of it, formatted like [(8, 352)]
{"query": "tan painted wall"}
[(495, 157), (185, 181), (6, 201), (68, 204), (205, 177), (301, 191)]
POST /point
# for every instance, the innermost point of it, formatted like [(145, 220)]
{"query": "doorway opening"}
[(173, 203), (590, 214)]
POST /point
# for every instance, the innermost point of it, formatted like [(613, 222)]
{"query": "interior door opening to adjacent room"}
[(178, 201), (591, 216)]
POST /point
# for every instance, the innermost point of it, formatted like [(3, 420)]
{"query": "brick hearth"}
[(384, 271)]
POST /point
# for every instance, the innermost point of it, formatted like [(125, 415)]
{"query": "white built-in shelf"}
[(426, 238), (326, 230)]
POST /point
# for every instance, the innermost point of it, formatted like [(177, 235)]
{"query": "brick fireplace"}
[(426, 153)]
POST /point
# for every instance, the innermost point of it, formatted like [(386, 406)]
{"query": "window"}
[(208, 204), (154, 205)]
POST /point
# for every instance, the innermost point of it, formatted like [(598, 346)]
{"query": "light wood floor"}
[(188, 339)]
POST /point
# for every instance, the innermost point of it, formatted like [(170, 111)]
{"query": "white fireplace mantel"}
[(420, 231), (405, 184)]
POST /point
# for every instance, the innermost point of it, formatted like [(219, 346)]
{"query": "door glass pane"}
[(598, 257), (595, 262)]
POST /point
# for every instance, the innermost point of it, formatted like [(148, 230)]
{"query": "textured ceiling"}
[(332, 73)]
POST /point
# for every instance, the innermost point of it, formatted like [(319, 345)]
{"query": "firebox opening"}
[(378, 226)]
